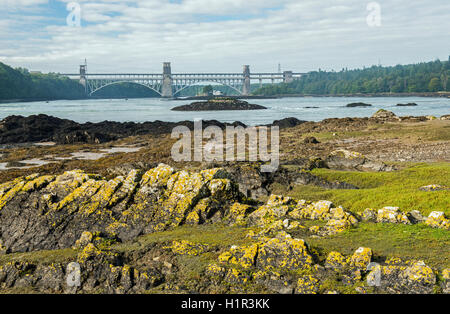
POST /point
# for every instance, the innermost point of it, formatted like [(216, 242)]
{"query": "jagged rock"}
[(346, 160), (56, 210)]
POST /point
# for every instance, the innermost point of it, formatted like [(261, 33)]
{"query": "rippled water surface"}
[(151, 109)]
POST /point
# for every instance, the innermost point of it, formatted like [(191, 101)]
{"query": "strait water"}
[(151, 109)]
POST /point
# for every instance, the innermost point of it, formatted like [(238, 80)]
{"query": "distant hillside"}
[(415, 78), (21, 84)]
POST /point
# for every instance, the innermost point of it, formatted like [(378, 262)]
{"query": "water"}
[(151, 109)]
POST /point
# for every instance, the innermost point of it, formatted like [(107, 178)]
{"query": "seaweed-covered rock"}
[(385, 115), (219, 104)]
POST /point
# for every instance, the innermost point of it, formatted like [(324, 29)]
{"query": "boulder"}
[(56, 211), (385, 115), (438, 220), (347, 160)]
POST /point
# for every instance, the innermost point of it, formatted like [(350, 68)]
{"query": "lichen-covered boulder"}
[(336, 260), (406, 278), (361, 258), (307, 285), (369, 214), (52, 212), (438, 220), (392, 215), (270, 255)]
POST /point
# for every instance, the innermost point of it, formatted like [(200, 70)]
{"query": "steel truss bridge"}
[(168, 84)]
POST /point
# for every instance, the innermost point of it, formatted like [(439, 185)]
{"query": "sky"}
[(221, 35)]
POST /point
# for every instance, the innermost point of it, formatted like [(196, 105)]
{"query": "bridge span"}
[(168, 84)]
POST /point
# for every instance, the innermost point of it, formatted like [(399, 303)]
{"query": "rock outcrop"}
[(358, 104), (52, 212), (217, 104), (347, 160)]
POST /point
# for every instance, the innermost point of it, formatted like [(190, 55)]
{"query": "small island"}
[(358, 104), (217, 104)]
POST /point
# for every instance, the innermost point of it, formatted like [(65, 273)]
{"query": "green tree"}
[(435, 85), (208, 90)]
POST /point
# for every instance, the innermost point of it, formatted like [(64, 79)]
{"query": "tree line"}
[(21, 84), (414, 78)]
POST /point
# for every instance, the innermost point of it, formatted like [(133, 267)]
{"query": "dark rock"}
[(358, 104), (311, 140), (288, 123), (411, 104), (217, 104), (42, 128)]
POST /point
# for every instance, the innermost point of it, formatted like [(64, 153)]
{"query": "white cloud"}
[(222, 35)]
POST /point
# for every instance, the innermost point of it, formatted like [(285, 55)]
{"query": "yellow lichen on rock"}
[(438, 220), (361, 258), (307, 285), (336, 260), (188, 248)]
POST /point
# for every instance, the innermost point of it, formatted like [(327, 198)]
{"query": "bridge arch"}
[(207, 81), (118, 82)]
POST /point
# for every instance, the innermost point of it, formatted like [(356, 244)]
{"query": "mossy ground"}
[(380, 189)]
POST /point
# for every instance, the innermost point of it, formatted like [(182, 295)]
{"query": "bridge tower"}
[(288, 77), (167, 90), (83, 78), (246, 85)]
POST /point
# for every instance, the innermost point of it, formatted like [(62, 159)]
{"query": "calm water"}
[(151, 109)]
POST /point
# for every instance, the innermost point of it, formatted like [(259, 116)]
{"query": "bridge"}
[(168, 84)]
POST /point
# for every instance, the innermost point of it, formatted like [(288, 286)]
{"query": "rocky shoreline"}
[(332, 219), (92, 216)]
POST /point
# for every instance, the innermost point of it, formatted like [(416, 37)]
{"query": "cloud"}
[(222, 35)]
